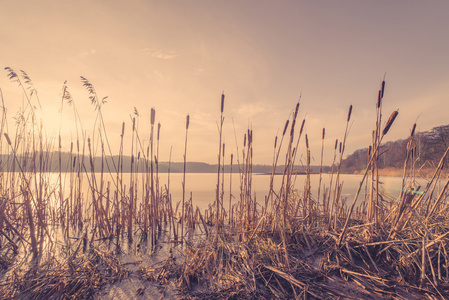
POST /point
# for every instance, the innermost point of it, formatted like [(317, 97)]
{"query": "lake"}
[(202, 186)]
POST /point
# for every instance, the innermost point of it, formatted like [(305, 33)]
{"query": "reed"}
[(230, 191), (131, 186), (384, 132), (337, 187), (321, 170), (292, 244), (184, 180), (218, 196)]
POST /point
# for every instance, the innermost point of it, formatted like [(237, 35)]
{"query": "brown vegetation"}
[(287, 245)]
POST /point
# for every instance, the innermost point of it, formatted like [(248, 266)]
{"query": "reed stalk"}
[(222, 187), (217, 197), (131, 186), (153, 199), (337, 179), (321, 170), (230, 193), (384, 132), (270, 248), (287, 188), (184, 181)]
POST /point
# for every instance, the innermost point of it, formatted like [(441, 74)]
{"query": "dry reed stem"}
[(263, 253)]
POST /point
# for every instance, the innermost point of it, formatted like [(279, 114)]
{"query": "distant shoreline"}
[(293, 173), (399, 172)]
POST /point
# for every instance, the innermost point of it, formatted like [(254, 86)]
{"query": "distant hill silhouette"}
[(70, 162), (428, 146)]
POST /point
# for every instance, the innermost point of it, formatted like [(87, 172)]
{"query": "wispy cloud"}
[(198, 72), (251, 109), (159, 54), (86, 53)]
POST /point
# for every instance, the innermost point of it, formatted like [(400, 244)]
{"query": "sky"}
[(178, 57)]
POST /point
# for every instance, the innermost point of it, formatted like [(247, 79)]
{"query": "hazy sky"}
[(178, 57)]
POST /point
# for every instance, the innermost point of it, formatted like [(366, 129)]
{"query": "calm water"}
[(202, 186)]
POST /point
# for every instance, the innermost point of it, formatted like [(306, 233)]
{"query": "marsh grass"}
[(292, 244)]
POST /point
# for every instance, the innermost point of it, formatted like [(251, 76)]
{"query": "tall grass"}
[(294, 243), (184, 181)]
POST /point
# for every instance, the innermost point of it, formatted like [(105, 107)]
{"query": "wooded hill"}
[(428, 149)]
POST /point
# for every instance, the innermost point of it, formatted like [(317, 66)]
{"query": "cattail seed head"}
[(285, 127), (224, 149), (413, 129), (7, 138), (153, 115), (302, 126), (222, 102), (390, 122), (187, 122), (275, 142), (292, 130), (307, 142), (296, 110), (158, 130), (382, 88), (349, 112), (336, 144), (244, 140), (324, 133), (134, 124), (340, 148)]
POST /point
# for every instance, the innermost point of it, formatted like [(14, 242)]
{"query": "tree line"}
[(427, 149)]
